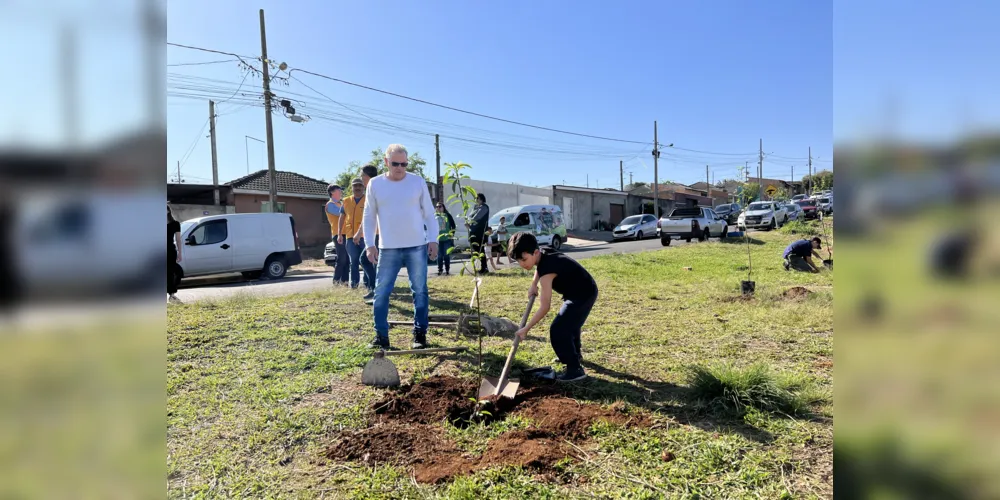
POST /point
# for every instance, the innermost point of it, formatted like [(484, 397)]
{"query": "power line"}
[(194, 144), (202, 63)]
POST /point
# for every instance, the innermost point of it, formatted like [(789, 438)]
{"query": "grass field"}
[(740, 391)]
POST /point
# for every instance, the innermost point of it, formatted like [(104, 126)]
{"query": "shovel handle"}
[(513, 349), (423, 351)]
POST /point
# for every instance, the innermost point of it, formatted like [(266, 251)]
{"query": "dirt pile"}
[(796, 293), (407, 430)]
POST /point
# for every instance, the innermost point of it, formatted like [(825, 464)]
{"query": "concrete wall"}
[(183, 212), (310, 215), (498, 196), (584, 206)]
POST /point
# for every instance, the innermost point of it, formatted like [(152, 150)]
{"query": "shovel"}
[(492, 386), (380, 372)]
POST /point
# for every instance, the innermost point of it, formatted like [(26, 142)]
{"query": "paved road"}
[(303, 283)]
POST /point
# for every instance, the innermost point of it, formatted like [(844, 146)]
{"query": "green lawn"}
[(259, 388)]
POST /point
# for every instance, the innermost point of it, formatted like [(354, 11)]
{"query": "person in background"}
[(480, 217), (547, 220), (173, 256), (401, 203), (350, 226), (334, 211), (446, 238), (368, 172), (500, 241)]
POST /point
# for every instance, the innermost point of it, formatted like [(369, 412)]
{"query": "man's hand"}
[(533, 291), (372, 253), (432, 251), (522, 333), (340, 239), (357, 238), (178, 257)]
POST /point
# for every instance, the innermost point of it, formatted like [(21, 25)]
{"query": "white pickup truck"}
[(763, 215), (691, 222)]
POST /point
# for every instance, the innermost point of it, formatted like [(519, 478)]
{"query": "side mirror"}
[(190, 240)]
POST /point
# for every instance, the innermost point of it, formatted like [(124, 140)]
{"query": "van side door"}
[(208, 249)]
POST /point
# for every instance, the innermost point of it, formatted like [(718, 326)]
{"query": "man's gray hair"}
[(395, 148)]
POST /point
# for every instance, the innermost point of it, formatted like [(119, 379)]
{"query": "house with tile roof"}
[(301, 196)]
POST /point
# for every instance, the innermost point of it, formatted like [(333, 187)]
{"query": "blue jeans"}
[(340, 270), (390, 261), (358, 258)]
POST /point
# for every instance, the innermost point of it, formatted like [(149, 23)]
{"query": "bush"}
[(801, 227), (756, 386)]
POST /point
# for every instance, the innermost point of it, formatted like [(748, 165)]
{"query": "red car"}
[(809, 209)]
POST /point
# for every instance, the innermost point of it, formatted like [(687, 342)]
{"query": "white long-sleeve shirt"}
[(401, 209)]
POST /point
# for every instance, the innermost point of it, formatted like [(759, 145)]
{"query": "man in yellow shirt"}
[(352, 234), (334, 210)]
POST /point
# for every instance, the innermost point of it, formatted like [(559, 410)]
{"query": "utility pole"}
[(793, 177), (630, 179), (588, 180), (656, 173), (621, 173), (178, 179), (810, 170), (437, 161), (760, 170), (215, 157), (709, 182), (69, 84), (271, 174)]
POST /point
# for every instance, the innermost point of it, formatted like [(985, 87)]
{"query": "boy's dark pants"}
[(798, 263), (565, 331)]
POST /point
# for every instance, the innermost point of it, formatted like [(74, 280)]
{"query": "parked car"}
[(544, 221), (330, 254), (252, 244), (809, 209), (825, 205), (794, 211), (728, 211), (691, 222), (635, 227), (763, 215), (799, 197)]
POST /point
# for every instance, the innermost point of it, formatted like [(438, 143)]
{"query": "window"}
[(210, 233), (265, 207), (522, 220)]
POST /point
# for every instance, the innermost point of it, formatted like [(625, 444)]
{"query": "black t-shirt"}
[(172, 229), (572, 281)]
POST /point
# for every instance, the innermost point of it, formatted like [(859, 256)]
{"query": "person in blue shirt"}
[(799, 254)]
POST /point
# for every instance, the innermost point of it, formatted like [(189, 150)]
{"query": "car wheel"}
[(638, 236), (725, 231), (704, 235), (275, 268), (556, 242), (773, 225), (665, 242)]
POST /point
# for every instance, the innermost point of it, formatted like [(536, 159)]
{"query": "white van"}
[(544, 221), (252, 244)]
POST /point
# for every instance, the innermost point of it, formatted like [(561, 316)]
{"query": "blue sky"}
[(717, 76)]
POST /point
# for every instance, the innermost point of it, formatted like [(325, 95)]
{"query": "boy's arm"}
[(544, 304)]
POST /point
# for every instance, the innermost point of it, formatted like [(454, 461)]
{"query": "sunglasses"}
[(403, 164)]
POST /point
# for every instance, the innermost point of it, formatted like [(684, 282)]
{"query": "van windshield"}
[(508, 213)]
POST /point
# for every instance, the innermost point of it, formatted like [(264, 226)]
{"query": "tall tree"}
[(819, 181)]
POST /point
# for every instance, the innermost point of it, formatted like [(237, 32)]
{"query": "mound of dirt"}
[(406, 430), (796, 292)]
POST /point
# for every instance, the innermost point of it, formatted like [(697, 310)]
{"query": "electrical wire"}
[(194, 144)]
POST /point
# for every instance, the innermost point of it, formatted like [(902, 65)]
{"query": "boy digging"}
[(555, 271)]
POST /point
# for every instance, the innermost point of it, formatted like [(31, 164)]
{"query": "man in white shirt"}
[(399, 203)]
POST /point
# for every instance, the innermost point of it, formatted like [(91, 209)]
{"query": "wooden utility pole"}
[(271, 174), (709, 182), (178, 179), (215, 157), (630, 179), (621, 174), (793, 178), (437, 161), (68, 53), (656, 173)]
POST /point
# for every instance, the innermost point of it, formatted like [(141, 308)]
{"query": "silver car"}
[(636, 227)]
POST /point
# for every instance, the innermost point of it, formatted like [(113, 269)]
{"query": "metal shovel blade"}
[(380, 372), (489, 388)]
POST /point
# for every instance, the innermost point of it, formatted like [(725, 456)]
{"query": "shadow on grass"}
[(741, 240), (606, 386)]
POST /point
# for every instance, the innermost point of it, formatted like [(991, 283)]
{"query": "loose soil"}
[(796, 292), (407, 429)]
